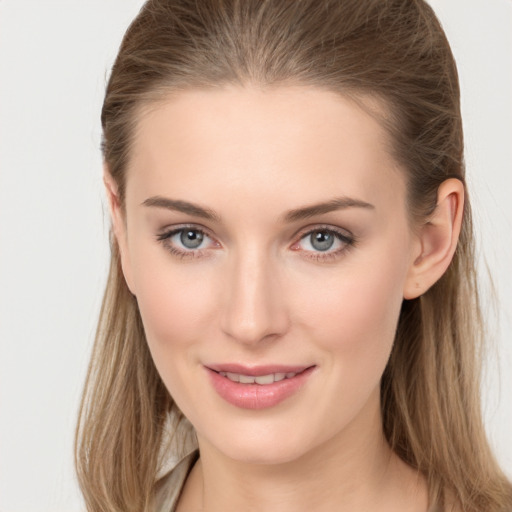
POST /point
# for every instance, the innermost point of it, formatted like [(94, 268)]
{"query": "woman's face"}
[(267, 243)]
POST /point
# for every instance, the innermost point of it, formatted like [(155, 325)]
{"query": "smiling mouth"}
[(262, 380), (258, 387)]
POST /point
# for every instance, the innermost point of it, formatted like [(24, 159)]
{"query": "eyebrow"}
[(306, 212), (182, 206), (338, 203)]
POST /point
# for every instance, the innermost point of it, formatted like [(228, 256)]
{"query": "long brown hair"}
[(392, 50)]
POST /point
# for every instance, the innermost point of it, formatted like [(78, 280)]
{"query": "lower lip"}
[(258, 396)]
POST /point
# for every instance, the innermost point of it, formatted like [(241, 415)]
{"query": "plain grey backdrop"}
[(54, 61)]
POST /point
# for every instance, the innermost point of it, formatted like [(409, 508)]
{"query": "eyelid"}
[(165, 235), (172, 230), (343, 233), (186, 225), (344, 236)]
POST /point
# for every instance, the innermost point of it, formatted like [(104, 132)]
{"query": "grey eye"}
[(191, 238), (321, 240)]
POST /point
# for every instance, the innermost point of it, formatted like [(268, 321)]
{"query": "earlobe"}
[(437, 240), (118, 224)]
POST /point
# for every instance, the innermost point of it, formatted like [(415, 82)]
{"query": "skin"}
[(258, 292)]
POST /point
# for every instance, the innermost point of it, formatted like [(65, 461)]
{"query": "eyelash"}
[(165, 238), (348, 241)]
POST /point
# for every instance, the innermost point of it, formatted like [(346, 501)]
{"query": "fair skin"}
[(249, 281)]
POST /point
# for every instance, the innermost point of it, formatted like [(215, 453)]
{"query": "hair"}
[(394, 51)]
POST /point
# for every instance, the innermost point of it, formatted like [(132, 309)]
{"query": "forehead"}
[(288, 142)]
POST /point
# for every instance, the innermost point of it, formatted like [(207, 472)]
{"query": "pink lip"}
[(255, 371), (256, 396)]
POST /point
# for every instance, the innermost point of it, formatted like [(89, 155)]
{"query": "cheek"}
[(355, 312), (352, 320), (176, 310), (175, 301)]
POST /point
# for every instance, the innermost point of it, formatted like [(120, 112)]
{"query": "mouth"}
[(262, 380), (257, 387)]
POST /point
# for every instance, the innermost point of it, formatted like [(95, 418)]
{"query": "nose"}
[(254, 309)]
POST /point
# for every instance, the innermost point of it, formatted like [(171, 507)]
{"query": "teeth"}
[(261, 379), (247, 379), (265, 379)]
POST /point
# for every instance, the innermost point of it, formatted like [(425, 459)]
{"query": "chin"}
[(263, 453), (263, 444)]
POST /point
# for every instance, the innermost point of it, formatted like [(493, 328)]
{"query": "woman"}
[(292, 288)]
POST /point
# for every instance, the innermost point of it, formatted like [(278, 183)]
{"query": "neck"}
[(355, 470)]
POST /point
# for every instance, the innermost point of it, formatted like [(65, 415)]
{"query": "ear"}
[(437, 240), (119, 227)]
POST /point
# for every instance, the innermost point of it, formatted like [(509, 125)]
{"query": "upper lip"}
[(257, 371)]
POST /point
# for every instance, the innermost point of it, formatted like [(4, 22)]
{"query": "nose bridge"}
[(254, 307)]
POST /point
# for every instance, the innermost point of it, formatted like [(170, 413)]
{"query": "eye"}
[(324, 243), (186, 241), (190, 238), (321, 240)]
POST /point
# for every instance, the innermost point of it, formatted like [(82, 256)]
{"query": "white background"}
[(54, 60)]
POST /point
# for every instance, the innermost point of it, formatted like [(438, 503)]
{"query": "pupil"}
[(322, 241), (191, 239)]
